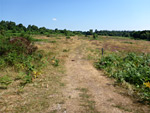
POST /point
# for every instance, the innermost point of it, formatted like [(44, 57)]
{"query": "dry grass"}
[(43, 92), (126, 45), (115, 45)]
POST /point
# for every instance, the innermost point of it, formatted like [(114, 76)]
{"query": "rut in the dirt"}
[(88, 91)]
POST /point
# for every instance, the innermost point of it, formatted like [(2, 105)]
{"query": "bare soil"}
[(86, 85)]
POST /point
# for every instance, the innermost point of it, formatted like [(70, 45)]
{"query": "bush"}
[(21, 54), (132, 68), (95, 36), (67, 37)]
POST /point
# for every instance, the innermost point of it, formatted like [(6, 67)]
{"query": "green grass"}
[(5, 81), (43, 40), (122, 108)]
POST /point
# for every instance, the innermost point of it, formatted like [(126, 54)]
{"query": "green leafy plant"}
[(95, 36), (26, 79), (67, 37), (132, 68), (5, 81), (65, 50)]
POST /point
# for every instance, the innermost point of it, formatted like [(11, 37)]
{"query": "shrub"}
[(95, 36), (48, 35), (132, 68), (21, 54), (23, 44), (67, 37)]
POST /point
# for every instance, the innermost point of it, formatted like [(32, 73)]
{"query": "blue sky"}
[(79, 14)]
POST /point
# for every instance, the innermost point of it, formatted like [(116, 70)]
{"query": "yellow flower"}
[(22, 66), (53, 61), (35, 76), (34, 72), (147, 84)]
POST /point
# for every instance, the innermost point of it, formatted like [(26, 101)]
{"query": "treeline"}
[(109, 33), (144, 35), (7, 27)]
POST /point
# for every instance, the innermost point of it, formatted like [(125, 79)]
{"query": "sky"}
[(79, 14)]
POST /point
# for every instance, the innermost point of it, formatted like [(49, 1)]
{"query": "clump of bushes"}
[(21, 54), (132, 68)]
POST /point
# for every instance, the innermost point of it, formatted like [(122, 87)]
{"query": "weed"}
[(5, 81), (26, 79), (20, 76), (66, 50), (67, 37), (55, 62), (52, 41), (20, 90)]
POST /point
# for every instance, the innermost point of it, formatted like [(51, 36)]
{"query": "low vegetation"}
[(22, 62), (131, 68), (20, 54), (86, 101)]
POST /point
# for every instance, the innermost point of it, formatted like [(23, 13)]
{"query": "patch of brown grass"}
[(128, 45), (44, 91)]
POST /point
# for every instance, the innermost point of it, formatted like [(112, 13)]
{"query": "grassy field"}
[(23, 89), (38, 85), (126, 60)]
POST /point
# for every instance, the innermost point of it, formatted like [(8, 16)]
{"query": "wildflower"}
[(34, 72), (22, 67), (53, 61), (147, 84)]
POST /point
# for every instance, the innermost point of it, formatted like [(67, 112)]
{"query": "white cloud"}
[(54, 19)]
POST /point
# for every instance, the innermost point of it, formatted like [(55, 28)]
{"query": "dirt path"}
[(88, 91), (75, 86)]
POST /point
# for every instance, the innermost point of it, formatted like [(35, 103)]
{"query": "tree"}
[(34, 28), (42, 30), (20, 27), (91, 31), (65, 32), (11, 25), (96, 31), (3, 25)]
